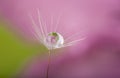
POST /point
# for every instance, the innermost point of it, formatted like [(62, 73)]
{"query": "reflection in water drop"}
[(54, 40)]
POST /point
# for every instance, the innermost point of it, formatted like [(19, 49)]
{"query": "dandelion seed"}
[(53, 39)]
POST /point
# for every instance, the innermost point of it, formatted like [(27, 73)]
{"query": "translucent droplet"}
[(54, 40)]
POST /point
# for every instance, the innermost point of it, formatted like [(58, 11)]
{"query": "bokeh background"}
[(98, 56), (14, 51)]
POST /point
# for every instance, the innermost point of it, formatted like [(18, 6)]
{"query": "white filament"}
[(53, 39)]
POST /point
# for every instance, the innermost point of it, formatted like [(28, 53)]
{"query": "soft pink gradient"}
[(98, 56)]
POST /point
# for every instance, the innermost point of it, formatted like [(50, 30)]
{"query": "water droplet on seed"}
[(54, 40)]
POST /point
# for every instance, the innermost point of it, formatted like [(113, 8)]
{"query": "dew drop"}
[(54, 40)]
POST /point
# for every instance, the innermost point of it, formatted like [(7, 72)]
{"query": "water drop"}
[(54, 40)]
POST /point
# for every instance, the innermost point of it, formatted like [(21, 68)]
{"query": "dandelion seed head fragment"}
[(52, 39)]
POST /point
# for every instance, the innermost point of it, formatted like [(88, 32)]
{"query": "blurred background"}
[(14, 51), (98, 56)]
